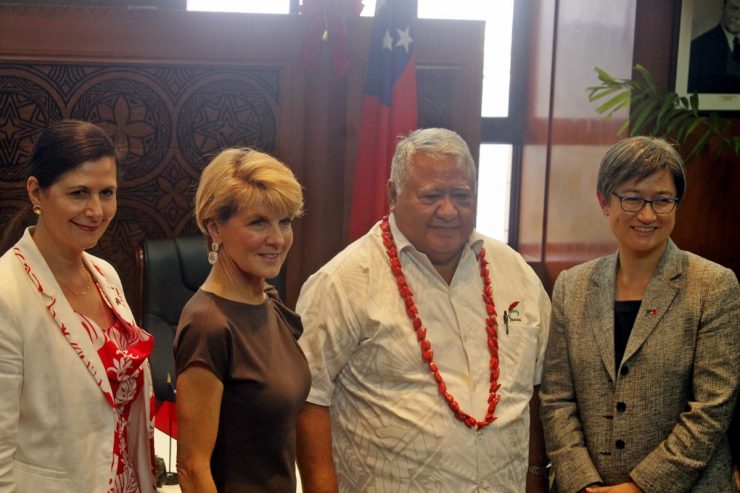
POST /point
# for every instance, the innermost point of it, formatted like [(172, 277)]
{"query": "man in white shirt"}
[(425, 342)]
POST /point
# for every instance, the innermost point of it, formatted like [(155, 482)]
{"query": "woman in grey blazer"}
[(641, 370)]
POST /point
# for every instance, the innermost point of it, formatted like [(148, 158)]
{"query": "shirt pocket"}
[(518, 352)]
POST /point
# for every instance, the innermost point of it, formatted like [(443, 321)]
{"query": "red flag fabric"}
[(388, 109), (326, 20), (165, 419)]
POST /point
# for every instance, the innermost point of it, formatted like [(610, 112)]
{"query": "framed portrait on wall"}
[(708, 54)]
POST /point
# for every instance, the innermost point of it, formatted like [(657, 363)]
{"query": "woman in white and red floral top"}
[(75, 412)]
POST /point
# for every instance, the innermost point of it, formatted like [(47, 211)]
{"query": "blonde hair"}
[(238, 179)]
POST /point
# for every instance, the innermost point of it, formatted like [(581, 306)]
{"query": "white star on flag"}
[(387, 41), (404, 38)]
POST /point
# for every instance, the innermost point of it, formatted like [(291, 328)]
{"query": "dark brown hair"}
[(61, 147)]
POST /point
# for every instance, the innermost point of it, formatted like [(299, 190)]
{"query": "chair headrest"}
[(194, 266), (174, 269)]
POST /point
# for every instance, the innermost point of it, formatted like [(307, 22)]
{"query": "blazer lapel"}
[(61, 312), (599, 304), (660, 293)]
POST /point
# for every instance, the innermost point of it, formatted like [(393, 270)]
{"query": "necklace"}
[(426, 348), (81, 293)]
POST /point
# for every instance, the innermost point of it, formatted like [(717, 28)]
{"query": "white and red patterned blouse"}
[(122, 348)]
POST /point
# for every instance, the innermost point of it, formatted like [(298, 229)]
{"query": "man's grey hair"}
[(436, 143)]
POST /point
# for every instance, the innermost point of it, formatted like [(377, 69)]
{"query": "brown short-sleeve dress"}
[(253, 350)]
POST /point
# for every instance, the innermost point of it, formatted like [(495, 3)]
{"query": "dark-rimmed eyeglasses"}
[(660, 205)]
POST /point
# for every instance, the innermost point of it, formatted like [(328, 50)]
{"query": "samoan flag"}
[(388, 109)]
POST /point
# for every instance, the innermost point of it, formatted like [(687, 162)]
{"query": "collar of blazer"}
[(660, 293), (52, 298)]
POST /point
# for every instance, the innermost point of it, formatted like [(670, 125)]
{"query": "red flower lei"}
[(425, 345)]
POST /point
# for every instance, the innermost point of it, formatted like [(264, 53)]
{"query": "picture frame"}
[(716, 77)]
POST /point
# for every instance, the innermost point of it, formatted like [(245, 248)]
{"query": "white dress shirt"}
[(391, 429)]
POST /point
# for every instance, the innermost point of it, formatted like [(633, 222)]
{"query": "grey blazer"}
[(660, 419)]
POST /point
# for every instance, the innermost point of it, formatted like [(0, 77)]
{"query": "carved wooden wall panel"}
[(435, 94), (172, 88), (166, 121)]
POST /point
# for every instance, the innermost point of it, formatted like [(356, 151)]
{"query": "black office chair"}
[(170, 272)]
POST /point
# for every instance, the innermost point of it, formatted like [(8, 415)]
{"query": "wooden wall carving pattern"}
[(166, 121), (436, 95)]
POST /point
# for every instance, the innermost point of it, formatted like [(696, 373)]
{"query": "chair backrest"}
[(170, 272)]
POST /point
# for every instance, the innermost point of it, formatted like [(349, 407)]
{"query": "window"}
[(494, 190), (500, 134), (251, 6)]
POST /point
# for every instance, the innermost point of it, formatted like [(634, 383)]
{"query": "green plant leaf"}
[(659, 112), (645, 74), (666, 109), (616, 103), (675, 123), (694, 100), (689, 128), (601, 92), (604, 76), (640, 117), (699, 146)]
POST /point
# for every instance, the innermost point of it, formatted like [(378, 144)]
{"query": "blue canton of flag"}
[(391, 46)]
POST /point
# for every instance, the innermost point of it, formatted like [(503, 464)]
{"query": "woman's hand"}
[(736, 475)]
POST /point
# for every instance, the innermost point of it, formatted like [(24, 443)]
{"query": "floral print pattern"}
[(122, 348)]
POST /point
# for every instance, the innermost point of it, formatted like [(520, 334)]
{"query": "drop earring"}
[(36, 209), (213, 254)]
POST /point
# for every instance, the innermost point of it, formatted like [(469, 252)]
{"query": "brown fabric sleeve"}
[(203, 337)]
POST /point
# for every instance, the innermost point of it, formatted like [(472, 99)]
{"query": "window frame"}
[(511, 129)]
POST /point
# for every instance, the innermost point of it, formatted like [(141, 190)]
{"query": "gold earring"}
[(213, 254), (36, 209)]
